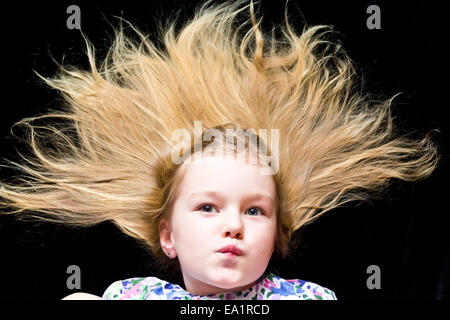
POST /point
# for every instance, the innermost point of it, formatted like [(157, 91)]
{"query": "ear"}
[(165, 236)]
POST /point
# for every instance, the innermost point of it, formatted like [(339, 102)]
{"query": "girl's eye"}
[(207, 207), (254, 211)]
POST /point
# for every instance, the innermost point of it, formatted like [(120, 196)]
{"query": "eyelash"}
[(207, 204)]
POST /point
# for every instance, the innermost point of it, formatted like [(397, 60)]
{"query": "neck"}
[(196, 287)]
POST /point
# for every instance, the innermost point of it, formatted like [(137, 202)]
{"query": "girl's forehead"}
[(222, 174), (223, 169), (238, 161), (219, 161)]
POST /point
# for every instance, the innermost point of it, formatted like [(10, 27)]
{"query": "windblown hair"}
[(112, 161)]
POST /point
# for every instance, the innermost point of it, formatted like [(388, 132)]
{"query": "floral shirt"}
[(268, 287)]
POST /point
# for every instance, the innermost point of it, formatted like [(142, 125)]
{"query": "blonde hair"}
[(112, 162)]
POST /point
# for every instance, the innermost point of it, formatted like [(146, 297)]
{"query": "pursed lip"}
[(232, 249)]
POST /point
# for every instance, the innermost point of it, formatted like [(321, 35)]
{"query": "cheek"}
[(262, 238), (191, 233)]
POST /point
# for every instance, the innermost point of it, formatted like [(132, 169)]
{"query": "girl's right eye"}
[(207, 207)]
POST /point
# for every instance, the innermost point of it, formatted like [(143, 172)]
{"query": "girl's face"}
[(222, 203)]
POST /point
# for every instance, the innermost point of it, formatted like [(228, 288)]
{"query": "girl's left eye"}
[(254, 211)]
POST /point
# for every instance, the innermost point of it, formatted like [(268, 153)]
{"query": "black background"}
[(406, 234)]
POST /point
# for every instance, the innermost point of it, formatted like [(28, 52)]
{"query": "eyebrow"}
[(254, 196)]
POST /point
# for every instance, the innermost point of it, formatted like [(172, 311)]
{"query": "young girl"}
[(314, 143)]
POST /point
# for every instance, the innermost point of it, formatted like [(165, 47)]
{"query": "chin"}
[(228, 286), (229, 280)]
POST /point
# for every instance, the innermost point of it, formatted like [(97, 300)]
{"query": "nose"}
[(232, 225)]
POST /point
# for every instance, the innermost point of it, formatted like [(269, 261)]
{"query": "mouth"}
[(231, 251), (229, 255)]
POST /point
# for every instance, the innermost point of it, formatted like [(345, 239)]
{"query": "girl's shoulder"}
[(138, 288), (280, 288), (271, 287)]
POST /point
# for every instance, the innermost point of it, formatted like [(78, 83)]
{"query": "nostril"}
[(234, 235)]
